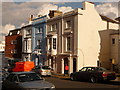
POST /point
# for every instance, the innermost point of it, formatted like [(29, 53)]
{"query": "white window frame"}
[(14, 51), (68, 24), (39, 29), (70, 44), (53, 27), (54, 43), (38, 43), (14, 42), (28, 32)]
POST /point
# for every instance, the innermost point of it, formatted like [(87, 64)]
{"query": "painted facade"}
[(76, 36), (26, 42), (2, 46), (13, 46), (39, 40)]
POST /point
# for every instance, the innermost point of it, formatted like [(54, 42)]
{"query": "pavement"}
[(62, 76)]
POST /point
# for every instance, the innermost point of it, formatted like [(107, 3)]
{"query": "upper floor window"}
[(38, 44), (14, 42), (10, 33), (28, 32), (113, 40), (18, 32), (68, 43), (27, 45), (14, 51), (54, 27), (49, 43), (68, 24), (39, 30), (54, 43)]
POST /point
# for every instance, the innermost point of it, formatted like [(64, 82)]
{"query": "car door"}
[(88, 73), (82, 73), (11, 81)]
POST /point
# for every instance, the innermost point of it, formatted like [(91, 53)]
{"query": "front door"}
[(74, 65), (65, 63)]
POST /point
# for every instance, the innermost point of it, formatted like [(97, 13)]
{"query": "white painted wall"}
[(88, 37)]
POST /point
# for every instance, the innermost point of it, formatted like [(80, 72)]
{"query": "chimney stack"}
[(88, 5), (53, 13), (39, 15), (30, 19)]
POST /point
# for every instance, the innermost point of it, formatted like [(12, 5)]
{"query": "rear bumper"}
[(109, 78), (46, 73)]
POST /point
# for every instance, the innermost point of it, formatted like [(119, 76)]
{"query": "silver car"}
[(26, 81), (43, 70)]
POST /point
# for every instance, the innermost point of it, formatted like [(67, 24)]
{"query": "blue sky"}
[(59, 0), (16, 14)]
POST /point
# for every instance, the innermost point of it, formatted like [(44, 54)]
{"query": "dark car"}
[(26, 81), (93, 74)]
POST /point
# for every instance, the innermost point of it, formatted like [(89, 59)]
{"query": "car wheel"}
[(72, 78), (93, 79)]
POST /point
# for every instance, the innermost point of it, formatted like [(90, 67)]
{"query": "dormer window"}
[(18, 32), (39, 30), (54, 27), (28, 32), (10, 33), (68, 24)]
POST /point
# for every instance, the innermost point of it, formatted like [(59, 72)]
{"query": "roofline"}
[(108, 19), (16, 29)]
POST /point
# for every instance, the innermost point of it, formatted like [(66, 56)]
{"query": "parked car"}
[(26, 81), (94, 74), (43, 70)]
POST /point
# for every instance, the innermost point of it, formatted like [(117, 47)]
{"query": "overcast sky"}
[(16, 14)]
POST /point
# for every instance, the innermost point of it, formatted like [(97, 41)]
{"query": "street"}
[(67, 83)]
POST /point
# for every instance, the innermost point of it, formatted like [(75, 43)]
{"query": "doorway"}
[(65, 63), (74, 64)]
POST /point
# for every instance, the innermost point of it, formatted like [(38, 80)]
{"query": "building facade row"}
[(78, 38)]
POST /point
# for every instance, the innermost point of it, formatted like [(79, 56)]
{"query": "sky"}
[(15, 13)]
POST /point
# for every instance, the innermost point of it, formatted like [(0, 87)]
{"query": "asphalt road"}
[(82, 85)]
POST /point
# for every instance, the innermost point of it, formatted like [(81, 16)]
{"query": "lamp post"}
[(82, 54)]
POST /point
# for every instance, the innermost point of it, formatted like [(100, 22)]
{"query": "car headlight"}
[(52, 87)]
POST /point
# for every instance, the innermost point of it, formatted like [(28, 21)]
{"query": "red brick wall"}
[(9, 46)]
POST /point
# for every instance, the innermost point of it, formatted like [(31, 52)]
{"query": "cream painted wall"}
[(114, 48), (91, 37), (88, 37)]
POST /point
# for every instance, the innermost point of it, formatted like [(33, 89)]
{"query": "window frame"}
[(14, 42), (68, 24), (68, 44), (54, 43), (28, 32), (113, 41)]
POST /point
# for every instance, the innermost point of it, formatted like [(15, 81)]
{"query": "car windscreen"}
[(29, 77), (46, 67), (101, 69)]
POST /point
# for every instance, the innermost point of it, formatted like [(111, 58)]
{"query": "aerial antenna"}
[(58, 8)]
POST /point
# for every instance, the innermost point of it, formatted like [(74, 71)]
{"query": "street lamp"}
[(82, 54)]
